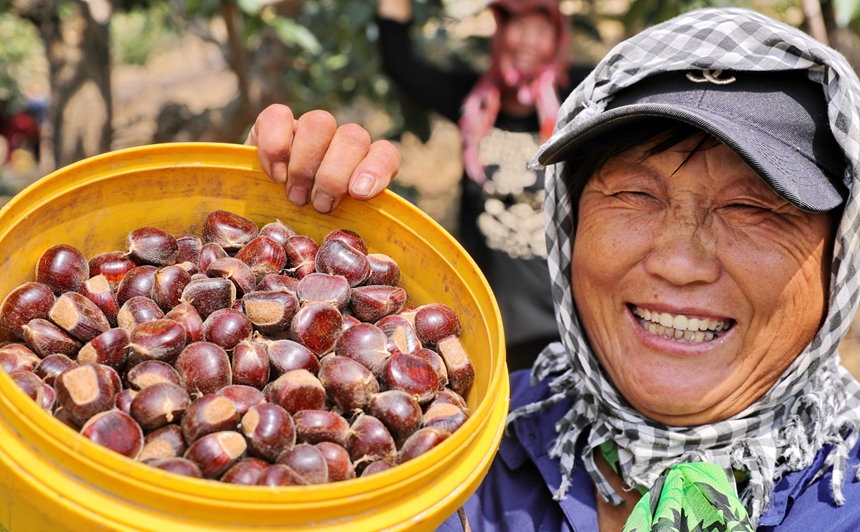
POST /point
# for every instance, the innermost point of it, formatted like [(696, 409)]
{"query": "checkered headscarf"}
[(816, 402)]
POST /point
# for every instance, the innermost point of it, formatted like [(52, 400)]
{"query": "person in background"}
[(503, 114)]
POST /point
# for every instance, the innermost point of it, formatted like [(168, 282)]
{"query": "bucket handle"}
[(464, 521)]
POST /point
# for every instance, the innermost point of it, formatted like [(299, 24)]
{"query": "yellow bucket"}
[(53, 479)]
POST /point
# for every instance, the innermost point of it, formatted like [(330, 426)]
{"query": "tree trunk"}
[(78, 51)]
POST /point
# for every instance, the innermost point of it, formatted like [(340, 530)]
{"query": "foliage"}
[(21, 56), (141, 30)]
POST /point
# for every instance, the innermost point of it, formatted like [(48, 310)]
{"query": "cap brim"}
[(790, 174)]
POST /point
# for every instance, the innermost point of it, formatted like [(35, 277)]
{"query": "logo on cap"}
[(710, 77)]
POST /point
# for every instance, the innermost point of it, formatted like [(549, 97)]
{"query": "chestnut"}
[(166, 442), (226, 328), (138, 282), (208, 295), (45, 338), (151, 245), (301, 255), (325, 288), (277, 283), (137, 310), (151, 372), (369, 440), (189, 248), (421, 441), (51, 366), (78, 316), (63, 268), (365, 343), (209, 253), (411, 374), (159, 404), (297, 390), (30, 384), (108, 348), (264, 256), (348, 237), (307, 461), (315, 426), (434, 322), (269, 431), (123, 400), (372, 303), (278, 231), (112, 264), (243, 397), (444, 416), (270, 312), (287, 355), (245, 472), (337, 460), (177, 465), (400, 333), (383, 270), (398, 411), (377, 466), (204, 368), (85, 390), (187, 316), (216, 452), (317, 326), (98, 290), (207, 414), (115, 430), (229, 230), (461, 372), (347, 383), (161, 339), (251, 364), (280, 475), (239, 273), (338, 258), (169, 283), (24, 303)]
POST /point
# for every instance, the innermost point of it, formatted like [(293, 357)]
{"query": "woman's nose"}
[(682, 250)]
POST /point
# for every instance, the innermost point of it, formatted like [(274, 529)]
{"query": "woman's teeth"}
[(680, 327)]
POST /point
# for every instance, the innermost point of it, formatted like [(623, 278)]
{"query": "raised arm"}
[(320, 162)]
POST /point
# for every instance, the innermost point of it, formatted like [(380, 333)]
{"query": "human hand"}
[(319, 162)]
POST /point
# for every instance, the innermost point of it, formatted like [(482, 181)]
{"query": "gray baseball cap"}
[(776, 121)]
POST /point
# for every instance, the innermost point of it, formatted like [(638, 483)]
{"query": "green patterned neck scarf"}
[(694, 497), (690, 497)]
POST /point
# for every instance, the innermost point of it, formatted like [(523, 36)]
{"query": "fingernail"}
[(323, 203), (363, 185), (299, 196), (279, 172)]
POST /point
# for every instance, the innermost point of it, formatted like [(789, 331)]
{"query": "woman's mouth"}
[(680, 327)]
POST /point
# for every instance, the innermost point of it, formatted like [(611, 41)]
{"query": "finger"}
[(272, 134), (376, 171), (349, 146), (313, 134)]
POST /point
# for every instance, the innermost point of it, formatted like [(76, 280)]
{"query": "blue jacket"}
[(517, 493)]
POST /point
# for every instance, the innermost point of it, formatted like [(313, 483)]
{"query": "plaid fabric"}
[(815, 402)]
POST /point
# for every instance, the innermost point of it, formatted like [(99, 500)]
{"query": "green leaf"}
[(290, 32)]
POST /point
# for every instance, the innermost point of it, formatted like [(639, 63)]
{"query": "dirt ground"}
[(194, 74)]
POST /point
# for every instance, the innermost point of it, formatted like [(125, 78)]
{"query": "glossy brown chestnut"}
[(85, 390), (373, 302), (350, 238), (123, 400), (444, 416), (280, 475), (137, 310), (307, 461), (264, 255), (226, 328), (30, 384), (278, 283), (45, 338), (338, 258), (400, 333), (63, 268), (297, 390), (207, 414), (411, 374), (369, 440), (301, 255), (270, 312), (112, 264), (365, 343), (204, 368), (189, 249), (78, 316), (399, 412), (177, 465), (115, 430), (209, 295), (315, 426), (151, 245), (170, 281), (278, 231), (420, 442), (243, 397), (347, 383), (51, 366), (151, 372), (108, 348), (269, 431), (377, 466), (209, 253), (337, 460), (250, 364), (434, 322), (239, 273), (99, 290), (317, 326), (324, 288), (156, 340), (287, 355), (245, 472), (187, 316), (136, 283), (24, 303), (216, 452), (383, 270), (461, 372), (229, 230), (159, 404)]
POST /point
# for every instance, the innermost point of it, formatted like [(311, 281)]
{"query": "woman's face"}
[(736, 275), (529, 40)]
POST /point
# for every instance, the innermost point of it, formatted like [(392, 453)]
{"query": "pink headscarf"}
[(538, 88)]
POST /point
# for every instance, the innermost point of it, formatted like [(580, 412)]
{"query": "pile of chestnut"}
[(251, 356)]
